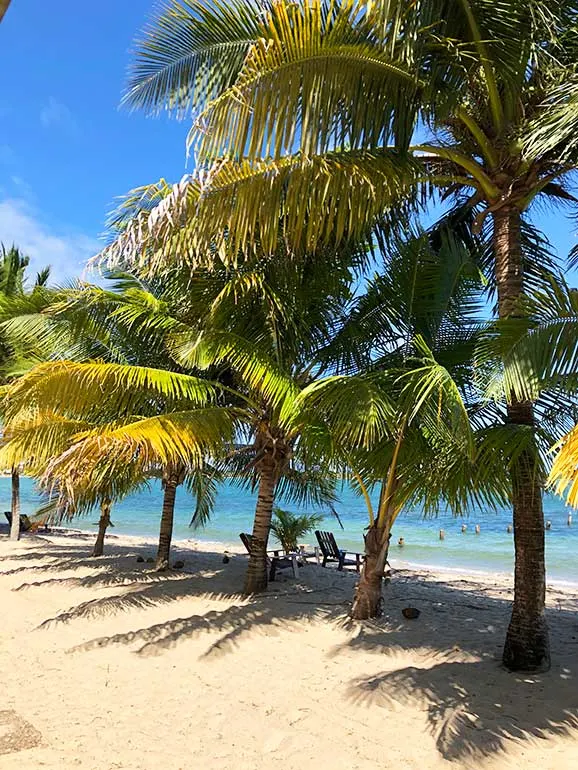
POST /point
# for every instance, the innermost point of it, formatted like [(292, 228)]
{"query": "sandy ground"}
[(105, 664)]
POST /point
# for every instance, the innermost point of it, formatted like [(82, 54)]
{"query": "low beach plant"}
[(289, 528)]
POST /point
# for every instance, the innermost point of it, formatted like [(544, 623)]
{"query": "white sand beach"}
[(106, 664)]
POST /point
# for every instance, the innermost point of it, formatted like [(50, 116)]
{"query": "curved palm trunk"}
[(15, 507), (103, 524), (368, 599), (256, 578), (527, 645), (170, 483)]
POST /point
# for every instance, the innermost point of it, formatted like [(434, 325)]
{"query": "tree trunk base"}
[(103, 524), (368, 601), (161, 565), (256, 577), (527, 647)]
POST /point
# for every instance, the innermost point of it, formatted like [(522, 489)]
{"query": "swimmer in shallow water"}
[(509, 529), (548, 524), (442, 534), (401, 542), (477, 529), (464, 528)]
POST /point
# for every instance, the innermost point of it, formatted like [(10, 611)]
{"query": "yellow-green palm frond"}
[(149, 234), (94, 388), (564, 471), (358, 409), (137, 201), (175, 438), (300, 83), (430, 394), (240, 206), (33, 439), (310, 201), (260, 374), (190, 52)]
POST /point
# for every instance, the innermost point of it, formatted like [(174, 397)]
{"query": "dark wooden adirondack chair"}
[(275, 560), (25, 523), (331, 552)]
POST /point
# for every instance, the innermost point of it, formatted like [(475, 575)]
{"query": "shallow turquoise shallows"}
[(489, 551)]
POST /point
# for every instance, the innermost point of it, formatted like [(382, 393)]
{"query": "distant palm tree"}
[(82, 430), (12, 269)]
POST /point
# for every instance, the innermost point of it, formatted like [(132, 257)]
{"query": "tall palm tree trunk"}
[(368, 599), (103, 525), (15, 507), (256, 578), (170, 483), (527, 645)]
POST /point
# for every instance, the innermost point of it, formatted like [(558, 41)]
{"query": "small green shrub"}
[(289, 528)]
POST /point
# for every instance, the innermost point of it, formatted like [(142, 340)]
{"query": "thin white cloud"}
[(64, 249), (22, 186), (58, 115)]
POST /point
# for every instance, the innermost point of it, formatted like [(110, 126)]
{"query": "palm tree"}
[(271, 330), (492, 84), (405, 413), (13, 359), (81, 429), (86, 322), (262, 332)]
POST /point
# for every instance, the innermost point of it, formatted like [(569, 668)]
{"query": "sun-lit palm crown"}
[(305, 113)]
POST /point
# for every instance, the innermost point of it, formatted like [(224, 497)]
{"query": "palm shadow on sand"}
[(471, 705), (475, 709)]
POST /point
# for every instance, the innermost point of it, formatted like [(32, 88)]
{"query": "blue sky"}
[(66, 149)]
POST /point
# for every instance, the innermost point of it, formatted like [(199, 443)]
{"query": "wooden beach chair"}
[(25, 523), (331, 552), (275, 561)]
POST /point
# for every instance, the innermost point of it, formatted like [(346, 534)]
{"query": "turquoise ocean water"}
[(490, 551)]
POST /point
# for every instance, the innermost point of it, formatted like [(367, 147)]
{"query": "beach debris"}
[(477, 529), (140, 559), (442, 534), (150, 560), (411, 613), (401, 542), (179, 564)]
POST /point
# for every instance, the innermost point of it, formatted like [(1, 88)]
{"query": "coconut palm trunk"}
[(171, 481), (368, 599), (256, 578), (103, 525), (15, 507), (527, 645)]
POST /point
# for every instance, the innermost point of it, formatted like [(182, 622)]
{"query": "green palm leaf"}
[(190, 52)]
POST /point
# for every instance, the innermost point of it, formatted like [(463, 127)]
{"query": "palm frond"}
[(89, 388), (190, 52)]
